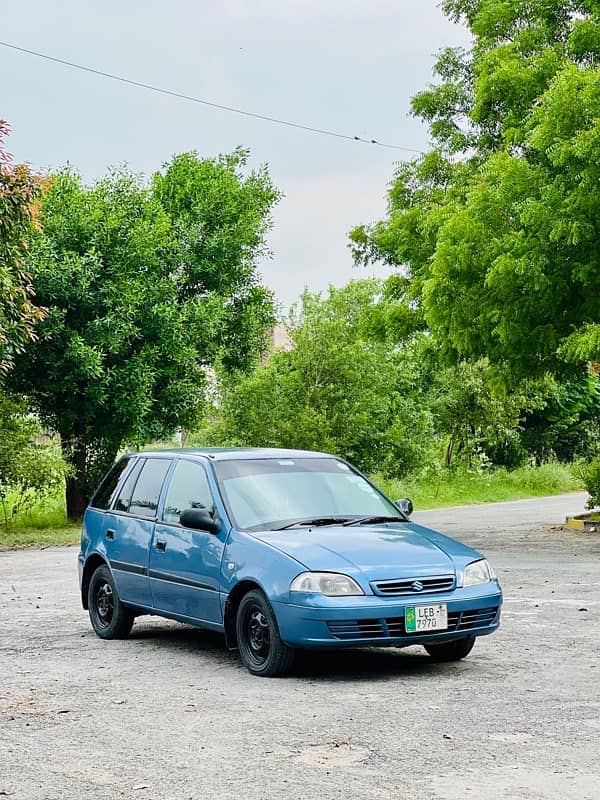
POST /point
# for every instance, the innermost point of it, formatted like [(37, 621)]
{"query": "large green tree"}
[(146, 286), (19, 189), (337, 389), (497, 229)]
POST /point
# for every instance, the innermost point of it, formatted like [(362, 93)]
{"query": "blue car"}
[(277, 550)]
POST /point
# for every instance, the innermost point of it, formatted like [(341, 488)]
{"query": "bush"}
[(29, 470), (590, 474)]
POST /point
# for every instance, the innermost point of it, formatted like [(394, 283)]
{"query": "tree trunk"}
[(75, 451), (76, 498), (449, 452)]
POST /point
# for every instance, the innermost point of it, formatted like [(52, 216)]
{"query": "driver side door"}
[(185, 564)]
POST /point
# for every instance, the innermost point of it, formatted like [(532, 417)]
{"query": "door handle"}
[(161, 545), (110, 534)]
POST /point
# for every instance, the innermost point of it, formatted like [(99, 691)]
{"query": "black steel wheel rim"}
[(104, 603), (257, 635)]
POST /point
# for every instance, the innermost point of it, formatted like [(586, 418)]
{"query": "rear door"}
[(129, 527), (185, 564)]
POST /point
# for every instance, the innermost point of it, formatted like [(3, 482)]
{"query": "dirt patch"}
[(332, 754)]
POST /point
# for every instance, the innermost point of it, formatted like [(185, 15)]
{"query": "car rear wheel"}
[(451, 651), (261, 649), (109, 617)]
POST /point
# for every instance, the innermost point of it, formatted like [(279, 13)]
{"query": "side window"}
[(105, 493), (188, 488), (144, 500), (124, 498)]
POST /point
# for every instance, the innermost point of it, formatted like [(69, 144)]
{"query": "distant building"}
[(280, 338)]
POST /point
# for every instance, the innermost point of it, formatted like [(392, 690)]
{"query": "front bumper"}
[(370, 621)]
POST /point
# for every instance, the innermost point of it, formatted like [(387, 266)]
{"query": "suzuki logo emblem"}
[(417, 586)]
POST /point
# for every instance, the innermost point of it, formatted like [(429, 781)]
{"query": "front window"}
[(262, 494), (188, 489)]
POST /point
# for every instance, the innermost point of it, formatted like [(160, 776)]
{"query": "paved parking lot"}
[(170, 715)]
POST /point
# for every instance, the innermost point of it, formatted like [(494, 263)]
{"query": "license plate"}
[(421, 619)]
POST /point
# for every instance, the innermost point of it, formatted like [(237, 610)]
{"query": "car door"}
[(129, 527), (185, 564)]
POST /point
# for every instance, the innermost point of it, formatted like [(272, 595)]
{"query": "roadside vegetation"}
[(464, 488), (46, 524), (132, 307)]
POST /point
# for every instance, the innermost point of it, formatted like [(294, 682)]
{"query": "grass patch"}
[(22, 536), (45, 525), (451, 488)]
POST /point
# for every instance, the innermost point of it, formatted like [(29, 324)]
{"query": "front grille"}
[(477, 619), (357, 629), (394, 588), (393, 627)]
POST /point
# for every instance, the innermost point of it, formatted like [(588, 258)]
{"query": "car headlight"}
[(328, 583), (478, 572)]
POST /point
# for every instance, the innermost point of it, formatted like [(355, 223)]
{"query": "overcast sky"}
[(346, 65)]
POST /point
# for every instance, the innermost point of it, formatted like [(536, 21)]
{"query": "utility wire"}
[(207, 102)]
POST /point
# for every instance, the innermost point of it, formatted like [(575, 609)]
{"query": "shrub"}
[(590, 474), (29, 470)]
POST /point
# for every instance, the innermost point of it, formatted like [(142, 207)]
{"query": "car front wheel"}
[(109, 617), (451, 651), (261, 649)]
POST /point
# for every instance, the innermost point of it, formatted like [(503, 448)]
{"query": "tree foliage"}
[(19, 189), (565, 425), (337, 389), (349, 387), (498, 228), (146, 286)]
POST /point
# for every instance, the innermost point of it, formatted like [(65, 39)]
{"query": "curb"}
[(582, 522)]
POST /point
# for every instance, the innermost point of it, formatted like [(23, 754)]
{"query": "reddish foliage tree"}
[(19, 191)]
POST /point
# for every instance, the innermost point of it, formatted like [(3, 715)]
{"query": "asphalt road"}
[(170, 715)]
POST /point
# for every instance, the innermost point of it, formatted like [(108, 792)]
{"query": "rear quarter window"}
[(106, 492)]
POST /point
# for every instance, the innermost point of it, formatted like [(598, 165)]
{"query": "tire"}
[(261, 649), (109, 617), (451, 651)]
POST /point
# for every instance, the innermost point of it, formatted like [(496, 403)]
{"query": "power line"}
[(209, 103)]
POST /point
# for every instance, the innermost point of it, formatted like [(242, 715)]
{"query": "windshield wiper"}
[(373, 518), (316, 522)]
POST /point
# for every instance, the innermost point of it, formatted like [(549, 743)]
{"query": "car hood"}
[(376, 551)]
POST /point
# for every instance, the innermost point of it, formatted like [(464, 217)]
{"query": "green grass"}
[(47, 525), (465, 488)]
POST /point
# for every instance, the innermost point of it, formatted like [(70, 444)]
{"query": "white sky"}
[(346, 65)]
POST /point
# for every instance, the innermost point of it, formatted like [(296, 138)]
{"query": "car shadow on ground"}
[(348, 664)]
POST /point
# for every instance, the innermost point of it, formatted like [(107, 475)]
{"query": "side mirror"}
[(405, 506), (199, 519)]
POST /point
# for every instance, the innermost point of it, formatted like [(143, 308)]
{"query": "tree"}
[(566, 423), (498, 227), (338, 389), (470, 416), (19, 189), (146, 286)]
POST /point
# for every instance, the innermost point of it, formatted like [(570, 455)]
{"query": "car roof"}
[(231, 453)]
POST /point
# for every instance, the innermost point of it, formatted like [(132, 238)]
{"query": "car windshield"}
[(265, 494)]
